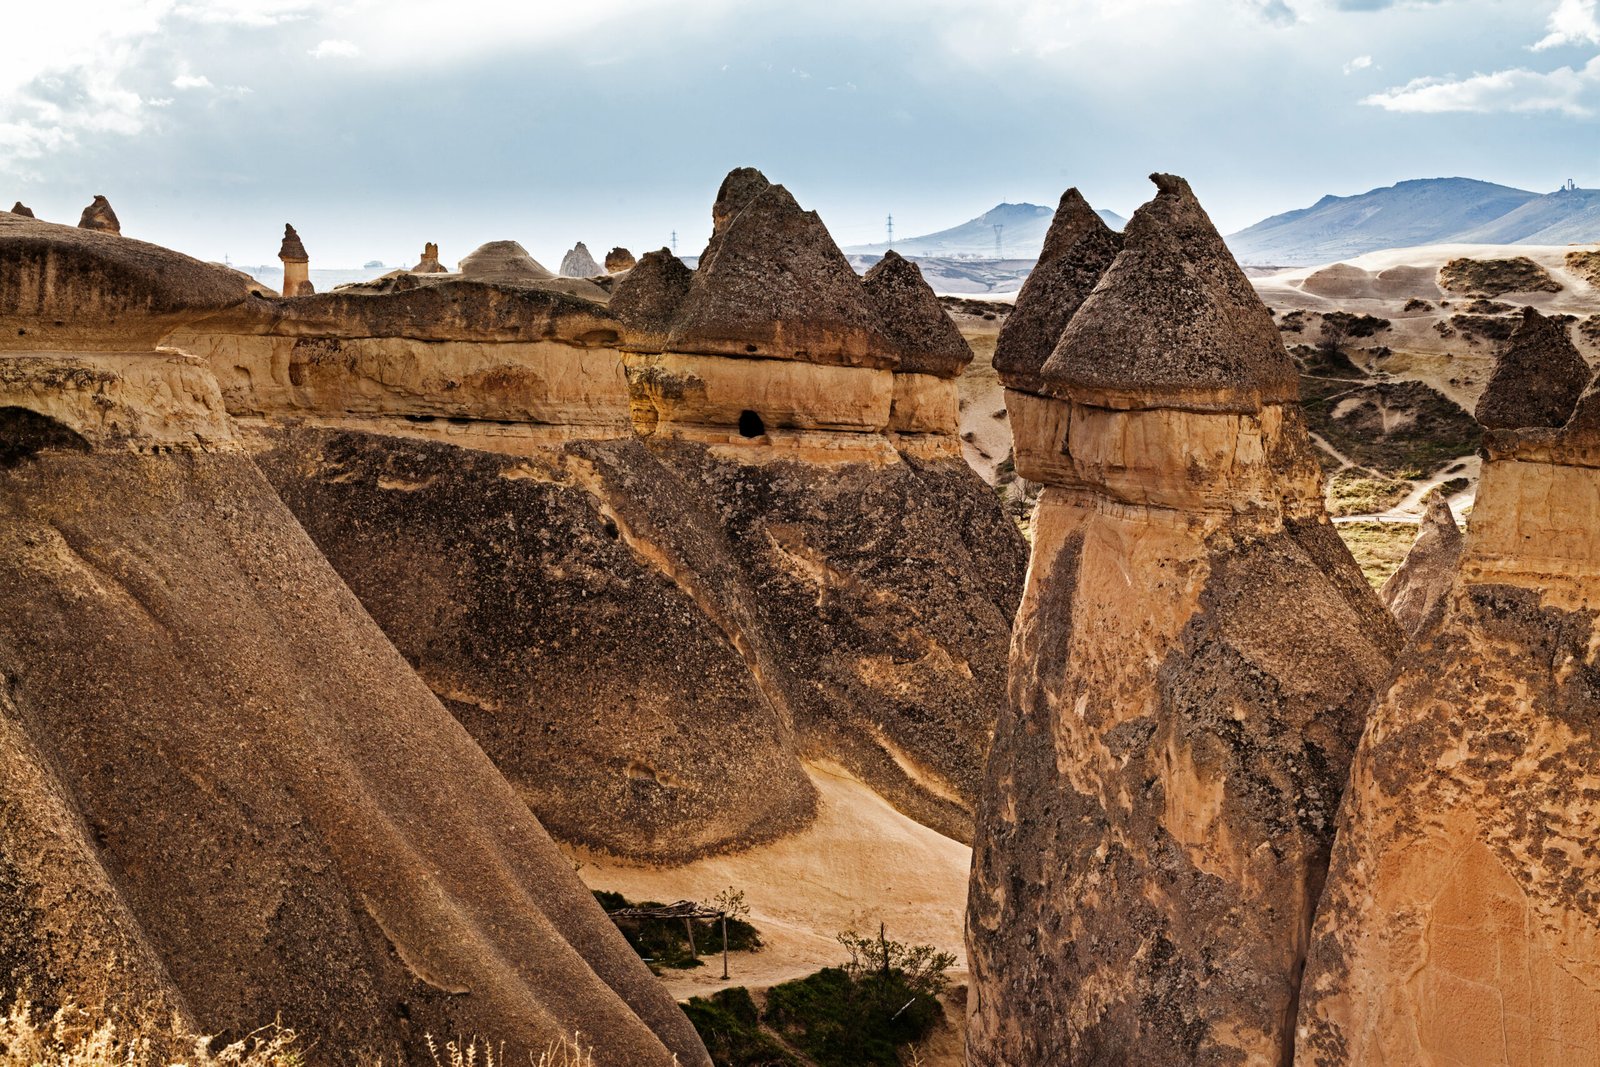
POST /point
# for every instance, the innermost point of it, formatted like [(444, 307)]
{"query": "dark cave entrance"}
[(750, 424)]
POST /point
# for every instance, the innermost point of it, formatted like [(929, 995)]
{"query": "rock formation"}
[(508, 263), (551, 512), (1423, 581), (19, 208), (1536, 380), (1190, 671), (296, 265), (619, 259), (931, 349), (99, 216), (223, 793), (429, 263), (1459, 924), (578, 263)]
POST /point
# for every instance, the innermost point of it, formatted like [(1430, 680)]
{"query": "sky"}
[(376, 125)]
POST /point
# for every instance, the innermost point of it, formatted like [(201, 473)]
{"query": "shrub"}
[(1417, 304), (69, 1038), (1492, 277), (729, 1024)]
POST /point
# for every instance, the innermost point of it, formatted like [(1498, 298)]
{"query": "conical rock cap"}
[(911, 315), (1173, 323), (1537, 379), (1423, 580), (506, 262), (292, 251)]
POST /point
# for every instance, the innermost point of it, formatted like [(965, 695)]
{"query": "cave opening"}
[(750, 424)]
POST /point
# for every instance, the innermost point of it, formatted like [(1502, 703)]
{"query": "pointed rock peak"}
[(1537, 378), (292, 250), (618, 260), (742, 185), (1438, 520), (1077, 250), (504, 262), (578, 263), (912, 317), (772, 284), (1174, 321), (99, 216), (647, 301), (19, 208), (1414, 592)]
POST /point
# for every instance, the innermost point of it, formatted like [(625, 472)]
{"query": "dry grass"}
[(1379, 547), (562, 1052), (69, 1038)]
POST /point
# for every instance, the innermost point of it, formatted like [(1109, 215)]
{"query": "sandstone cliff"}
[(1190, 670), (224, 793), (1459, 923)]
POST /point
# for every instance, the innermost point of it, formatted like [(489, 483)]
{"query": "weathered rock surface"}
[(1536, 380), (619, 259), (19, 208), (1415, 591), (504, 262), (1190, 670), (578, 263), (1459, 923), (99, 216), (429, 263), (648, 300), (225, 794), (914, 320), (296, 265)]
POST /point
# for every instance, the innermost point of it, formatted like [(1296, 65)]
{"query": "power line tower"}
[(999, 228), (890, 226), (674, 242)]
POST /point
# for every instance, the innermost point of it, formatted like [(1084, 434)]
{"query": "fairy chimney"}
[(429, 264), (19, 208), (1418, 588), (618, 260), (99, 216), (1190, 671), (296, 265)]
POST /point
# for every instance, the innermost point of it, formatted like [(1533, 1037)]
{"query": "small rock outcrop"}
[(1190, 672), (578, 263), (1419, 587), (648, 299), (618, 260), (99, 216), (503, 262), (296, 265), (1537, 379), (1460, 924), (19, 208), (429, 263)]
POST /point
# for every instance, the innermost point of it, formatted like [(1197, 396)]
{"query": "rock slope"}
[(224, 793), (1415, 591), (1190, 671)]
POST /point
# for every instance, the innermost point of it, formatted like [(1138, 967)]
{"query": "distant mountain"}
[(1420, 212), (1021, 236)]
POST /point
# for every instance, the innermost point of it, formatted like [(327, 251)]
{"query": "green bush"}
[(729, 1024), (665, 942)]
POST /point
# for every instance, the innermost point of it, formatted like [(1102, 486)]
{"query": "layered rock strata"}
[(1459, 923), (1190, 670), (223, 793)]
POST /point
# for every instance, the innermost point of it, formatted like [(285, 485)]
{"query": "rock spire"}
[(429, 263), (99, 216), (912, 317), (19, 208), (1424, 579), (578, 263), (618, 260)]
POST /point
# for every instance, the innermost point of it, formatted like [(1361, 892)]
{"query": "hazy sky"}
[(375, 125)]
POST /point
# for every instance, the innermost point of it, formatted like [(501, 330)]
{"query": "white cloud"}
[(334, 50), (1572, 22), (244, 12), (1566, 90), (191, 81), (1358, 63)]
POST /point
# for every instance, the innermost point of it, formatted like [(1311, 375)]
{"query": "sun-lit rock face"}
[(1459, 923), (1190, 670), (223, 793), (578, 263), (296, 265), (618, 260)]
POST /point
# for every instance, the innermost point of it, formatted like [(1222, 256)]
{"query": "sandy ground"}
[(860, 863)]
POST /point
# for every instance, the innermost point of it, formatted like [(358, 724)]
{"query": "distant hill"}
[(1022, 236), (1423, 211)]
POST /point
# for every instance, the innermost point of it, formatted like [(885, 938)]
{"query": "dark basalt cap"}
[(1077, 251), (60, 285), (292, 251), (1537, 379), (771, 283), (19, 208), (648, 300), (1173, 323), (913, 318), (99, 216), (619, 259)]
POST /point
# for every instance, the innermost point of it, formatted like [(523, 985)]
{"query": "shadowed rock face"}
[(1174, 320), (224, 793), (1419, 587), (1077, 251), (1536, 380), (1459, 922), (772, 284), (578, 263), (19, 208), (914, 320), (1190, 670), (648, 299), (99, 216), (619, 259)]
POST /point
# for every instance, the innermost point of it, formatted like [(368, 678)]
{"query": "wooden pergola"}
[(688, 911)]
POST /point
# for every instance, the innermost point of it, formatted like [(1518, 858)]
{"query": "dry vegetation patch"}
[(1586, 265), (1356, 492), (1492, 277), (1379, 547)]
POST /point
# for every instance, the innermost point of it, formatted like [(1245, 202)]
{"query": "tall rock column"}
[(1461, 922), (296, 265), (1190, 670)]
